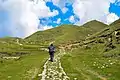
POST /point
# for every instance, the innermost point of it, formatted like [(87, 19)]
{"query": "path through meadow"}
[(54, 70)]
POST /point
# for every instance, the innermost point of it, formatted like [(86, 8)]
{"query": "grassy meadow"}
[(91, 63), (93, 54), (97, 57), (29, 63)]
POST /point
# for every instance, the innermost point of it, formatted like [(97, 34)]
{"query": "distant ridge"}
[(94, 22), (115, 22), (66, 33)]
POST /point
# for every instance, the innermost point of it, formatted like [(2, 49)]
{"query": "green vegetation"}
[(25, 68), (92, 63), (19, 61), (93, 54), (66, 33), (97, 57)]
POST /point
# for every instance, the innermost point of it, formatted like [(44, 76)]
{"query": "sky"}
[(21, 18)]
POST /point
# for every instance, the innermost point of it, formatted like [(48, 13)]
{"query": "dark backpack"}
[(51, 49)]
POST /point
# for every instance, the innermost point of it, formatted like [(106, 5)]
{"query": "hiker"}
[(51, 52)]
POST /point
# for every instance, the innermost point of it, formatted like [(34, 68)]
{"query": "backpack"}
[(52, 49)]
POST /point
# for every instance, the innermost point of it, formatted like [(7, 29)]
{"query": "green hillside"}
[(19, 61), (97, 57), (66, 33), (92, 52)]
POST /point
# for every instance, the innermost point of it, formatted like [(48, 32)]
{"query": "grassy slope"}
[(66, 33), (93, 62), (112, 28), (24, 69), (89, 63), (30, 63)]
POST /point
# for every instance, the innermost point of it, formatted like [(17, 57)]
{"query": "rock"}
[(9, 76), (39, 75), (54, 70), (75, 78), (111, 63)]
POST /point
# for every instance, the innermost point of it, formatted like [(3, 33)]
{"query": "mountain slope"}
[(97, 57), (66, 33), (113, 30)]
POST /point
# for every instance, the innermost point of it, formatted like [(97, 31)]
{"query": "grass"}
[(24, 69), (66, 33), (27, 67), (90, 64), (94, 62)]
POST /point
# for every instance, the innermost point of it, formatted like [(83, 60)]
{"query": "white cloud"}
[(111, 18), (56, 2), (88, 10), (72, 19), (62, 3), (42, 28), (64, 10), (42, 10), (54, 13), (58, 21), (24, 16), (47, 0)]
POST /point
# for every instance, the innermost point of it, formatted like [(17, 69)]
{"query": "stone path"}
[(54, 70)]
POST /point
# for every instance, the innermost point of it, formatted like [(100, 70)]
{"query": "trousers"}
[(51, 56)]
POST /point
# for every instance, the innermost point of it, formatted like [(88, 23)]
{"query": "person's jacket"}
[(51, 49)]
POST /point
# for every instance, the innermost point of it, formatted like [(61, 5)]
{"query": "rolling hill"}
[(97, 57), (66, 33), (94, 52)]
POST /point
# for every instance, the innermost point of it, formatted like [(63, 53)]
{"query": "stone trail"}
[(54, 70)]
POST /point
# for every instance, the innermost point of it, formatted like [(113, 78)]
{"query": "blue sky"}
[(115, 8), (63, 16), (21, 18)]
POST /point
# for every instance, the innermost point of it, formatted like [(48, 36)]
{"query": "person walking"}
[(51, 52)]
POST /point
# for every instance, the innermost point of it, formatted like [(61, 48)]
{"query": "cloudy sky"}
[(21, 18)]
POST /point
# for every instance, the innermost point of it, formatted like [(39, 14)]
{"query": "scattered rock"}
[(75, 78), (54, 70)]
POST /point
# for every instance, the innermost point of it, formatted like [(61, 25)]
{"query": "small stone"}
[(39, 74), (103, 67), (109, 60), (48, 77), (111, 63), (94, 62), (75, 78), (107, 66), (9, 76)]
